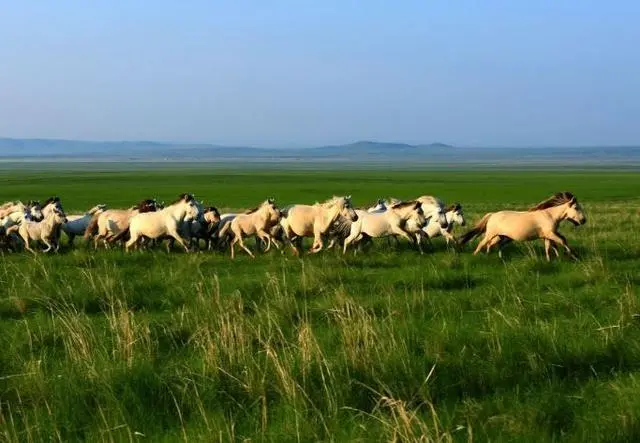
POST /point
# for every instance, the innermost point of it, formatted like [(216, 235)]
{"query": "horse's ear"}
[(417, 205), (572, 201)]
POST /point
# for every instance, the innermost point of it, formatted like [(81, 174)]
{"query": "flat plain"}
[(384, 345)]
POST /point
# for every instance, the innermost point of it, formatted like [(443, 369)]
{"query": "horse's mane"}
[(429, 199), (7, 204), (402, 205), (146, 202), (33, 203), (252, 210), (454, 207), (186, 197), (54, 199), (212, 209), (557, 199), (335, 200)]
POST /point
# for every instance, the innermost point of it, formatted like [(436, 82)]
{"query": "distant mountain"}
[(358, 152)]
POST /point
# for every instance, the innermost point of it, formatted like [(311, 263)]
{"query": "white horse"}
[(383, 224), (165, 222), (454, 216), (77, 223), (305, 221)]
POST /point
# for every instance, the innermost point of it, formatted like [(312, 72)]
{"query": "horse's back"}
[(300, 219), (518, 225)]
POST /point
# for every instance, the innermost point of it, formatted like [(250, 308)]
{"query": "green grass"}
[(388, 345)]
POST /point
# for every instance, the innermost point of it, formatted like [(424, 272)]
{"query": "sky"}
[(296, 73)]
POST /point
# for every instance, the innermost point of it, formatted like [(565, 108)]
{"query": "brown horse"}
[(540, 221)]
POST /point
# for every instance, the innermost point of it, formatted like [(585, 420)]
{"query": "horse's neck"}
[(329, 216), (557, 213), (177, 212)]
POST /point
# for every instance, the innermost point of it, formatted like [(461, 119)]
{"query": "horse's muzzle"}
[(355, 218)]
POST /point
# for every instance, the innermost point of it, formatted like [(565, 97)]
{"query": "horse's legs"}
[(25, 239), (401, 232), (264, 237), (47, 244), (558, 238), (494, 241), (317, 243), (482, 244), (502, 243), (448, 236), (547, 246), (131, 242), (71, 238), (419, 242), (347, 241), (238, 239)]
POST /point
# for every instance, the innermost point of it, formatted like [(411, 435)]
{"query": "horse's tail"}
[(12, 229), (223, 231), (92, 227), (120, 235), (478, 229)]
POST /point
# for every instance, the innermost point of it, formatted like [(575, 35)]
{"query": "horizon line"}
[(325, 145)]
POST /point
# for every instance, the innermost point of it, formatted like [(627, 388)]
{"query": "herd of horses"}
[(189, 222)]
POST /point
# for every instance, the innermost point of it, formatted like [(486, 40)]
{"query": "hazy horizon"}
[(289, 75)]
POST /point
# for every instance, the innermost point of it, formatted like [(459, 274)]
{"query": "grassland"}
[(391, 345)]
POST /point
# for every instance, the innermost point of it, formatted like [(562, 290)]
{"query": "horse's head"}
[(51, 204), (211, 215), (35, 210), (417, 215), (97, 209), (347, 210), (455, 215), (271, 209), (575, 213), (58, 216), (192, 210)]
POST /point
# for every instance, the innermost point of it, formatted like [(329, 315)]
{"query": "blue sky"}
[(292, 73)]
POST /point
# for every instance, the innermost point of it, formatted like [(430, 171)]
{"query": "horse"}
[(17, 212), (314, 220), (453, 215), (540, 221), (341, 227), (166, 222), (389, 222), (111, 222), (8, 207), (77, 224), (203, 229), (255, 222), (44, 230)]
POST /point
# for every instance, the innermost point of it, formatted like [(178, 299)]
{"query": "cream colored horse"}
[(44, 231), (541, 221), (166, 222), (256, 222), (306, 220), (383, 224), (108, 224), (77, 223), (17, 212), (9, 207)]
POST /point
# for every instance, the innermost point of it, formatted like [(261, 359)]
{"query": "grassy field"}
[(390, 345)]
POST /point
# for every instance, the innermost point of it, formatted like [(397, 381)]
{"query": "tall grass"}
[(384, 346)]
